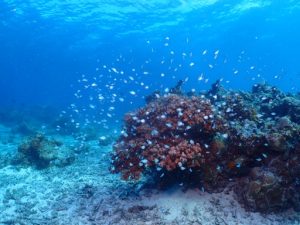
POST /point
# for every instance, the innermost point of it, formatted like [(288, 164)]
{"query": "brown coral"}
[(171, 133)]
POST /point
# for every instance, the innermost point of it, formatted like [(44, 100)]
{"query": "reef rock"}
[(251, 139), (41, 153), (264, 191)]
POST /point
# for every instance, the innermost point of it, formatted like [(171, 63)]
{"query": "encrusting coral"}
[(249, 139)]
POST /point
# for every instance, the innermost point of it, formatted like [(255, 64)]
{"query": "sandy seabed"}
[(85, 192)]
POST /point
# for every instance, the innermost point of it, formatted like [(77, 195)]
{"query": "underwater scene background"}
[(150, 112)]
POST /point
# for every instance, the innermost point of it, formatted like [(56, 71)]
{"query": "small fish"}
[(163, 117), (200, 77), (132, 92), (144, 161), (225, 136), (179, 123), (169, 125), (216, 54), (154, 132), (114, 70)]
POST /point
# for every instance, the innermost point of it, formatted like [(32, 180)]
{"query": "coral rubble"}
[(249, 139)]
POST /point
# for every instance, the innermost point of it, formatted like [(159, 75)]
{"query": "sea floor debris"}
[(85, 192)]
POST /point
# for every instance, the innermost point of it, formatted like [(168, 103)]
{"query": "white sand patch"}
[(197, 207)]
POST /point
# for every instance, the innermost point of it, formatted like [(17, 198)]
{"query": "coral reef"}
[(168, 134), (41, 153), (248, 139)]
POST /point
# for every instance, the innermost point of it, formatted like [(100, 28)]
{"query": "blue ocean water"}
[(46, 46)]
